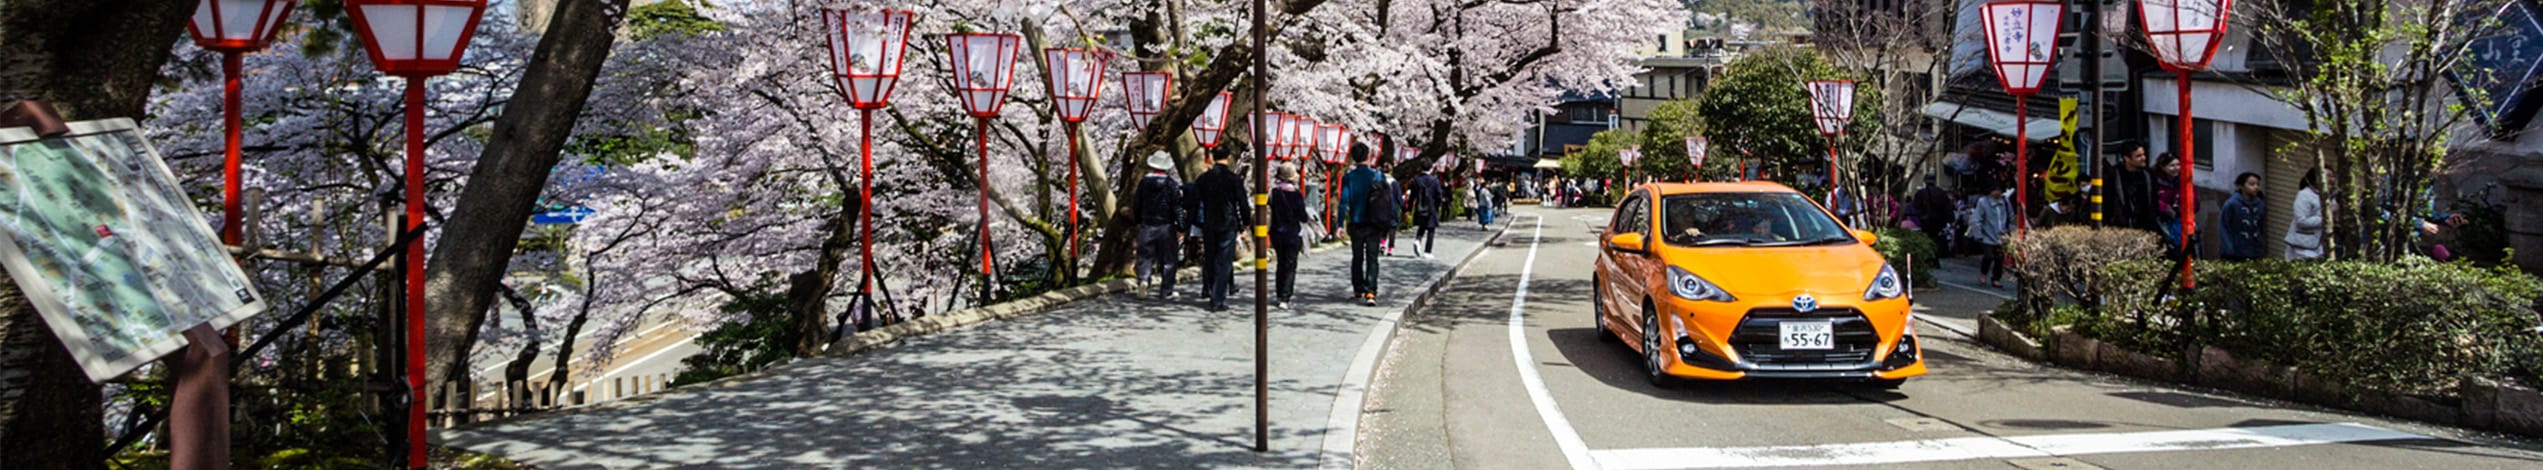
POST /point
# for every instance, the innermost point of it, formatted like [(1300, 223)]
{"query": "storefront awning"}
[(2000, 123), (1549, 164)]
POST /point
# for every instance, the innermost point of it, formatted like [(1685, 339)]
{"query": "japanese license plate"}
[(1808, 335)]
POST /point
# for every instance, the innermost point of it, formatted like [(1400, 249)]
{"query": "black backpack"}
[(1383, 206), (1160, 200)]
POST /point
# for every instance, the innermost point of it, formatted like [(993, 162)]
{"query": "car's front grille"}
[(1757, 343)]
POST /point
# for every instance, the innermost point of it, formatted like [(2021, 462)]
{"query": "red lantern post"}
[(1075, 79), (199, 407), (415, 39), (1831, 107), (984, 70), (1334, 142), (2022, 44), (1145, 95), (1302, 142), (2183, 34), (866, 51), (1695, 158)]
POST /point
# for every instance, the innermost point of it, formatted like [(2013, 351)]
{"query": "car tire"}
[(1598, 314), (1652, 362)]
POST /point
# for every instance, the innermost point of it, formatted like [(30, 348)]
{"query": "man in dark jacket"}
[(1934, 209), (2128, 194), (1370, 206), (1429, 199), (1161, 223), (1288, 212), (1225, 213)]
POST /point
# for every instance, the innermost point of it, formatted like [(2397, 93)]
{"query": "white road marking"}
[(1989, 448), (1976, 289), (1574, 451), (1342, 424)]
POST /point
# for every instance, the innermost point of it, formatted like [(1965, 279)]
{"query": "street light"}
[(415, 39), (1831, 107), (2183, 35), (2022, 43), (1212, 124), (234, 28), (1076, 79), (984, 69), (866, 52), (1146, 95)]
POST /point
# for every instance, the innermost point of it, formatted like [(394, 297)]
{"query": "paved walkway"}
[(1108, 382)]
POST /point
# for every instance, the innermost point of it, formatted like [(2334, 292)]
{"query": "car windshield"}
[(1747, 219)]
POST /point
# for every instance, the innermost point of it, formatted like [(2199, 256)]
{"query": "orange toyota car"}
[(1728, 281)]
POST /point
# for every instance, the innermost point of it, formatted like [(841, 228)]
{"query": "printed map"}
[(95, 230)]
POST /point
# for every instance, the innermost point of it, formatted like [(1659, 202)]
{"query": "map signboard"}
[(111, 253)]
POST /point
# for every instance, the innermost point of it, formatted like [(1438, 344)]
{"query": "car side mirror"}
[(1867, 236), (1628, 242)]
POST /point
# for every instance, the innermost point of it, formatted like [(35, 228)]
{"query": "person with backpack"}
[(1371, 209), (1428, 199), (1161, 224), (1225, 214), (1288, 213)]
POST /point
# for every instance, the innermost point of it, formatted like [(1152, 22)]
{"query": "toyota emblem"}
[(1804, 303)]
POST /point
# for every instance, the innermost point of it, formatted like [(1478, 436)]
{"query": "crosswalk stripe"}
[(1982, 448)]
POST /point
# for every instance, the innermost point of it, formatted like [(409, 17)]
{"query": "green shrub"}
[(2414, 326), (761, 339), (1899, 244)]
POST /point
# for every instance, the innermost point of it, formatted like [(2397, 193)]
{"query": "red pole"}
[(2021, 163), (1072, 196), (865, 208), (414, 265), (2189, 192), (1328, 201), (230, 124), (986, 263), (1832, 171)]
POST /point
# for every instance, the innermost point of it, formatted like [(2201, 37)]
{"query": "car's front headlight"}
[(1688, 286), (1885, 286)]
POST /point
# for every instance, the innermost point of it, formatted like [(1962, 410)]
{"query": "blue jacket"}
[(1355, 189), (2243, 220)]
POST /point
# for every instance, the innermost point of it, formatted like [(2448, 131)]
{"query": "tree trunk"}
[(808, 292), (478, 239), (91, 59)]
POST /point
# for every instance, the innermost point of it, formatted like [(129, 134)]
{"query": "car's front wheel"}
[(1653, 363)]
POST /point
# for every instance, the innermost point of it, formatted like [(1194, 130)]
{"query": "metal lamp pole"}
[(407, 38), (984, 70), (2183, 34), (2022, 47), (866, 52)]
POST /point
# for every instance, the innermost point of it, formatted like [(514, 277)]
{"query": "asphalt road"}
[(1453, 392)]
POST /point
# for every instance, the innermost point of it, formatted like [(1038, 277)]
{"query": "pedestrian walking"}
[(2244, 215), (1989, 221), (1396, 189), (1471, 201), (2167, 207), (2304, 230), (1483, 203), (2128, 192), (1159, 211), (1288, 213), (1428, 199), (1933, 209), (1225, 212), (1371, 210)]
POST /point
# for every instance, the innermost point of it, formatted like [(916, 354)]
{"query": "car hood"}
[(1751, 271)]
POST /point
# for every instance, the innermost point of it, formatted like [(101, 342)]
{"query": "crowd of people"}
[(1371, 206)]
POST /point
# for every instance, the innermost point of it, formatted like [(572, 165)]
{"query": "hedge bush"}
[(1898, 244), (2065, 263), (2415, 326)]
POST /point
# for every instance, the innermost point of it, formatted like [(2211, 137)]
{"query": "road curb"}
[(1342, 423)]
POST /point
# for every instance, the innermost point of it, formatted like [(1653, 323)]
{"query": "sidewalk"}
[(1108, 382), (1960, 295)]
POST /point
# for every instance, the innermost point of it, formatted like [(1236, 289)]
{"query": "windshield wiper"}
[(1820, 241), (1725, 241)]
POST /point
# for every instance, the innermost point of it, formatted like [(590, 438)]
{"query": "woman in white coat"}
[(2304, 231)]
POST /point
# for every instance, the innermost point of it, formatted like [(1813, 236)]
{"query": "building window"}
[(1664, 43)]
